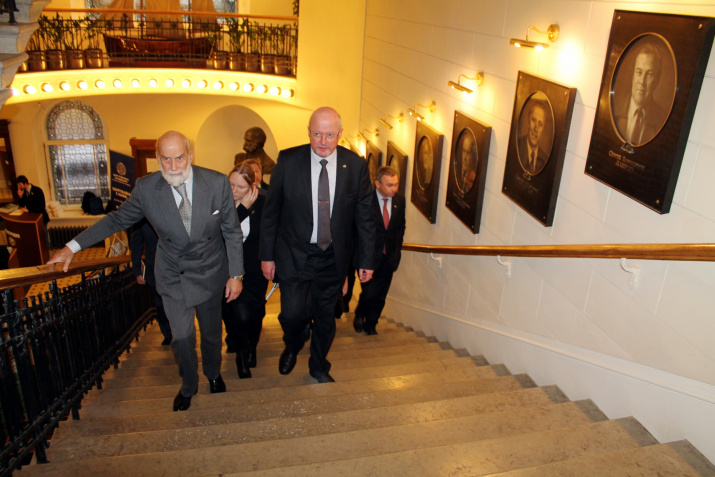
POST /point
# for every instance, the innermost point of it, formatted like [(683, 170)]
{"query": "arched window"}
[(77, 152)]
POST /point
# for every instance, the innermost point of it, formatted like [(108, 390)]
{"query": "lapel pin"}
[(344, 166)]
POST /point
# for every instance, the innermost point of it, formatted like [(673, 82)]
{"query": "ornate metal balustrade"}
[(174, 39), (55, 348)]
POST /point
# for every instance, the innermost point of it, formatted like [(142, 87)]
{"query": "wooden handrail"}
[(700, 252), (18, 277), (170, 12)]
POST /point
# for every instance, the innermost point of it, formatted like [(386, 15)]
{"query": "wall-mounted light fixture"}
[(432, 107), (384, 122), (552, 33), (376, 132), (479, 78)]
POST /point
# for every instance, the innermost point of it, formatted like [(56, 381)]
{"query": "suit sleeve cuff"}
[(74, 246)]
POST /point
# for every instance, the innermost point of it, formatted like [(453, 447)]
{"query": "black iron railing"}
[(56, 348), (152, 38)]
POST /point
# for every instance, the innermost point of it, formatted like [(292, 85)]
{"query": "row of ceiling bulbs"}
[(168, 83)]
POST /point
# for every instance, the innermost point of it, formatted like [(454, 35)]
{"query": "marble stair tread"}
[(155, 405), (456, 444), (214, 409), (152, 354), (482, 457), (398, 376), (678, 458), (458, 416), (268, 367), (335, 356)]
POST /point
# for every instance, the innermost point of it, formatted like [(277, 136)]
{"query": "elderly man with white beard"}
[(199, 254)]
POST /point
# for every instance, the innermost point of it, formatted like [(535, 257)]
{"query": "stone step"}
[(482, 457), (157, 355), (672, 459), (399, 375), (349, 369), (224, 408), (432, 448), (335, 357), (458, 416), (235, 396)]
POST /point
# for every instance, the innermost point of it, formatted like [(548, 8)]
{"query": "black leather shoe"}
[(323, 378), (217, 385), (370, 331), (251, 357), (244, 371), (181, 402), (166, 342), (286, 363), (359, 324)]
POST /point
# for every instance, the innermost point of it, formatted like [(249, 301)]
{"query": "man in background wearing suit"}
[(388, 210), (318, 205), (200, 245), (32, 199), (144, 240)]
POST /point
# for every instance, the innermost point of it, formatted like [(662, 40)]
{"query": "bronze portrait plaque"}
[(537, 145), (468, 169), (373, 156), (397, 159), (425, 174), (649, 90)]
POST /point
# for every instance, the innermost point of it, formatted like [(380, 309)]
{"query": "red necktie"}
[(385, 220)]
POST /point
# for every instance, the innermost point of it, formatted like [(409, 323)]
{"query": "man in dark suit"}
[(317, 207), (388, 211), (199, 253), (640, 118), (143, 239), (32, 199), (531, 154)]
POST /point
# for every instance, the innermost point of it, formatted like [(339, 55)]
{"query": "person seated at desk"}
[(32, 199)]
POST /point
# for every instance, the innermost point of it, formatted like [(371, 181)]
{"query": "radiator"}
[(59, 236)]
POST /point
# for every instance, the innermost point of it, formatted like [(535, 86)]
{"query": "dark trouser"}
[(181, 319), (161, 318), (318, 285), (244, 315), (374, 292)]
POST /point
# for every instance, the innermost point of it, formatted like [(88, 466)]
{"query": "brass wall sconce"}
[(552, 33), (479, 78), (376, 132), (384, 122), (432, 107)]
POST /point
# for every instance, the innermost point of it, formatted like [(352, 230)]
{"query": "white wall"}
[(576, 323)]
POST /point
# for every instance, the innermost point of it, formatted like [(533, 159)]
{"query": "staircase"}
[(403, 404)]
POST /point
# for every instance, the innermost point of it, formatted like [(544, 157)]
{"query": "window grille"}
[(77, 152)]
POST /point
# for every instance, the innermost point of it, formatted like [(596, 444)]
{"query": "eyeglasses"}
[(319, 136)]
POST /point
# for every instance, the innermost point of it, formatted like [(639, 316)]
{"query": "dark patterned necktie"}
[(385, 221), (323, 207), (184, 207), (636, 134)]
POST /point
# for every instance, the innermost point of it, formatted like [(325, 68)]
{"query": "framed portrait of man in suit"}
[(468, 169), (537, 145), (397, 159), (426, 172), (651, 81), (373, 156)]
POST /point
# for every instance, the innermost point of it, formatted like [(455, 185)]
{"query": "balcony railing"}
[(152, 38)]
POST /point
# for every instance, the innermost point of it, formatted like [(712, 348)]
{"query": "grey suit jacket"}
[(287, 222), (189, 269)]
